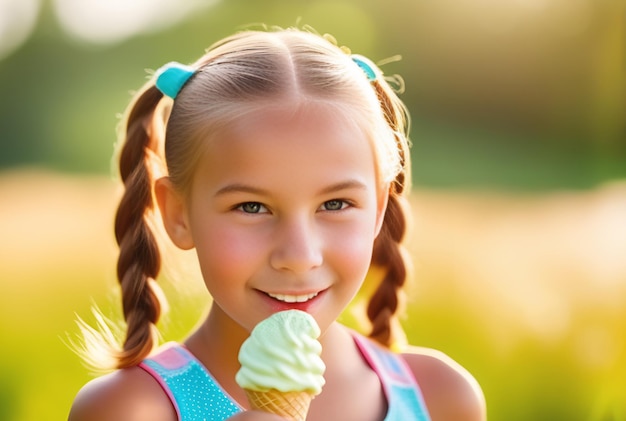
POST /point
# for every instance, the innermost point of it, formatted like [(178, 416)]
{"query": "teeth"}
[(293, 298)]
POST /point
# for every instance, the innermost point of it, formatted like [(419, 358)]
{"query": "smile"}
[(288, 298)]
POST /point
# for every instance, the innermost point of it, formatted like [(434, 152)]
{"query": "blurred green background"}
[(519, 148)]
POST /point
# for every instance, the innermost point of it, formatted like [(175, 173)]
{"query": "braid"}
[(139, 260), (385, 301), (388, 251)]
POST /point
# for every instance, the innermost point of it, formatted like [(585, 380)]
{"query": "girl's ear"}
[(174, 213), (381, 207)]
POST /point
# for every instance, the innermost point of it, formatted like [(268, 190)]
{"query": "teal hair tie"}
[(366, 65), (171, 77)]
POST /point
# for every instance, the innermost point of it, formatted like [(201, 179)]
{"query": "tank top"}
[(197, 396)]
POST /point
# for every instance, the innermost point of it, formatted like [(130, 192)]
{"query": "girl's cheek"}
[(227, 250), (354, 248)]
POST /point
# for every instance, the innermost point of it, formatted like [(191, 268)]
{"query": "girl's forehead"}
[(292, 116), (285, 127), (287, 141), (290, 130)]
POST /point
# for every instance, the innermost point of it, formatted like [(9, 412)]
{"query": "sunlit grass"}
[(525, 291)]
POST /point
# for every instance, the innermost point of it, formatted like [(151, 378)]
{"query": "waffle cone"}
[(291, 405)]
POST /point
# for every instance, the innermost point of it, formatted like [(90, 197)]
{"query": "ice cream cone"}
[(291, 405)]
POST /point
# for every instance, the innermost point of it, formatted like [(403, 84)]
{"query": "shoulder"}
[(125, 395), (450, 391)]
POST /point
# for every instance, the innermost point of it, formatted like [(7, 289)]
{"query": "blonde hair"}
[(236, 76)]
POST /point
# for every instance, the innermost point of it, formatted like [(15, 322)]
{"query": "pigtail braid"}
[(139, 259), (388, 250), (385, 301)]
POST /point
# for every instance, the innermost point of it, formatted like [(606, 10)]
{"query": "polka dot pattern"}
[(193, 391)]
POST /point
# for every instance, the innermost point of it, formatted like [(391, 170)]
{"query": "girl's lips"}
[(288, 298), (281, 302)]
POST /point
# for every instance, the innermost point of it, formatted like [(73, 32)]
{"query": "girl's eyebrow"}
[(344, 185), (246, 188), (240, 188)]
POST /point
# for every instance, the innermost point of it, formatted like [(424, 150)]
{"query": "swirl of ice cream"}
[(283, 353)]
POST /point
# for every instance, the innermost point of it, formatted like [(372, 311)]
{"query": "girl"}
[(287, 161)]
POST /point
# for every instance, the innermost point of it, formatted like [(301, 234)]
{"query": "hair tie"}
[(171, 77), (366, 65)]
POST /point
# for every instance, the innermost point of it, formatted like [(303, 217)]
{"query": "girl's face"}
[(283, 213)]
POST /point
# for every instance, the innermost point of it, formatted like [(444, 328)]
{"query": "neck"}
[(338, 347), (216, 344)]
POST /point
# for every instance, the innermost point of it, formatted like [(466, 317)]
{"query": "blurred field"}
[(527, 291)]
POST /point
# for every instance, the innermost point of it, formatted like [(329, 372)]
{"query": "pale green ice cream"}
[(283, 353)]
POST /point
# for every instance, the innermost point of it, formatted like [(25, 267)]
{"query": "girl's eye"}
[(334, 205), (251, 207)]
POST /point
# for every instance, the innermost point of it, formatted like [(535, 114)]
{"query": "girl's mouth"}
[(288, 298), (304, 302)]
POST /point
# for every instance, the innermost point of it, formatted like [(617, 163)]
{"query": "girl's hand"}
[(256, 416)]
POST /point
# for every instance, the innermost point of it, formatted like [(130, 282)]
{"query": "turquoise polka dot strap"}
[(192, 390)]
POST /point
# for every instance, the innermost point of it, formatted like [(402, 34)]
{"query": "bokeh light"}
[(109, 21), (17, 21)]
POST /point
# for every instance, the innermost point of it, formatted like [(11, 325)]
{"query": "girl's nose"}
[(297, 246)]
